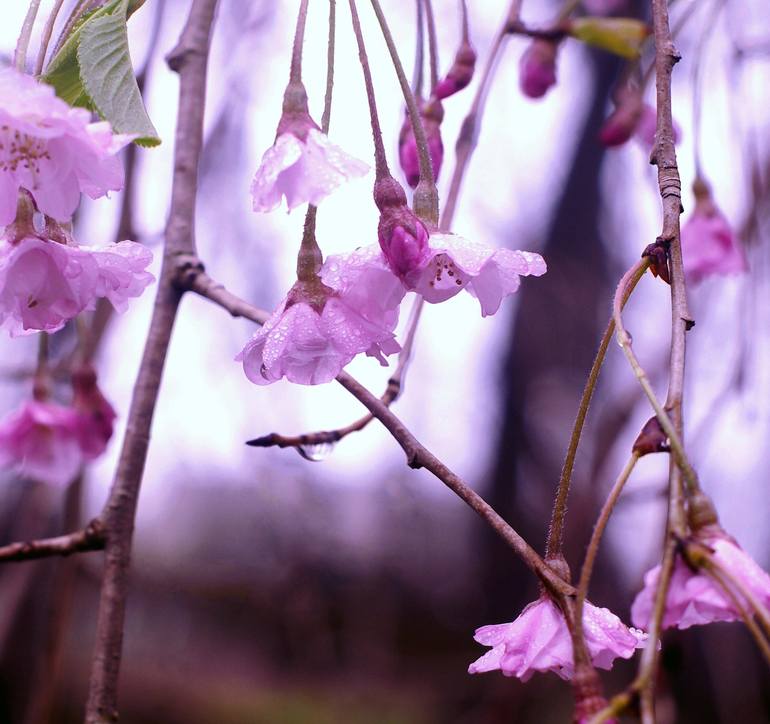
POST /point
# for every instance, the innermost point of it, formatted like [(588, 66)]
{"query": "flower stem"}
[(464, 13), (381, 169), (295, 73), (596, 537), (46, 37), (426, 194), (20, 54), (553, 546), (327, 114), (469, 130), (419, 51), (719, 574), (432, 44), (624, 339), (310, 257)]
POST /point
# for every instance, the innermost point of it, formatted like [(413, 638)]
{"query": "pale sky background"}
[(208, 408)]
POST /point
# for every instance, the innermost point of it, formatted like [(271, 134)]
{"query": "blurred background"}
[(270, 588)]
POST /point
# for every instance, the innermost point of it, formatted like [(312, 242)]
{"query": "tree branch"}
[(90, 538), (189, 58)]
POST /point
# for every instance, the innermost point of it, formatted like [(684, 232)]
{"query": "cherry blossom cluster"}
[(50, 154)]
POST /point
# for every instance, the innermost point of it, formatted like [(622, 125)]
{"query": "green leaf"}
[(622, 36), (93, 69)]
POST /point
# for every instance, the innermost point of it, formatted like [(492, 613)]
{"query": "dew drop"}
[(316, 453)]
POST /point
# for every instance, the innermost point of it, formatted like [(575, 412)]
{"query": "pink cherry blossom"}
[(314, 333), (40, 441), (122, 271), (52, 149), (537, 68), (431, 114), (453, 264), (303, 170), (709, 245), (696, 598), (44, 283), (539, 640)]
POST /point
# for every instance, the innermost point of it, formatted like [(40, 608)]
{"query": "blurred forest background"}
[(268, 588)]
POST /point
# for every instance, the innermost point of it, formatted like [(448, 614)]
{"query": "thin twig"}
[(417, 455), (392, 392), (189, 58), (553, 545), (596, 537), (719, 574), (664, 157), (91, 538), (624, 340)]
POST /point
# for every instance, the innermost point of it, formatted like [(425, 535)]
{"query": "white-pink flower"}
[(695, 598), (302, 170), (52, 149), (317, 330), (40, 441), (122, 271), (539, 640), (44, 283), (453, 264), (709, 244)]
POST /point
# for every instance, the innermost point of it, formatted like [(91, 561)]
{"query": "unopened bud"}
[(658, 254), (403, 237), (431, 115), (652, 439), (537, 69), (460, 74)]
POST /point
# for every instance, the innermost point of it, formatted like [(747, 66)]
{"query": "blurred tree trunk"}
[(554, 337)]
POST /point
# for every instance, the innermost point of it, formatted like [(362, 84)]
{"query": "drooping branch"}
[(189, 58), (418, 456)]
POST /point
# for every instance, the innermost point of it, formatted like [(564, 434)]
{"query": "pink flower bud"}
[(95, 416), (403, 237), (537, 68), (431, 114), (622, 122), (459, 75)]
